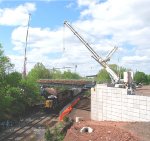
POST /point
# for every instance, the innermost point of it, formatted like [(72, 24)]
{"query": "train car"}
[(56, 97)]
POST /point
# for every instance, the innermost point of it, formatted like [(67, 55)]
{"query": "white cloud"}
[(87, 2), (122, 23), (16, 16), (70, 5)]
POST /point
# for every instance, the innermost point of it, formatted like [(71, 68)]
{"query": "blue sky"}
[(103, 24)]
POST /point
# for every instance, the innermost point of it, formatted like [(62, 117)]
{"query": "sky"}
[(102, 23)]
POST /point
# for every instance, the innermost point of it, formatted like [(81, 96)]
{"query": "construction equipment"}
[(103, 62)]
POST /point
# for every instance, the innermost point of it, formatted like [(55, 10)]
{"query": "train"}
[(56, 97)]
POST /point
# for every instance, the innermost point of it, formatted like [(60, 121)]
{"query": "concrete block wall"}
[(113, 104)]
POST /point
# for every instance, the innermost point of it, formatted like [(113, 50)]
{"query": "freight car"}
[(55, 97)]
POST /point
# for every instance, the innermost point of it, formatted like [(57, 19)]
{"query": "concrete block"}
[(109, 102), (148, 115), (143, 107), (136, 106), (130, 109), (136, 97), (124, 107), (148, 99), (128, 96), (100, 116), (130, 100), (143, 111), (134, 118), (124, 100), (143, 98), (118, 99), (119, 103), (109, 113), (129, 113), (135, 114), (136, 101), (116, 107), (129, 105), (143, 117), (143, 102), (109, 109), (136, 110)]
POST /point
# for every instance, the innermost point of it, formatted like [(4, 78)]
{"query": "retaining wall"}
[(113, 104)]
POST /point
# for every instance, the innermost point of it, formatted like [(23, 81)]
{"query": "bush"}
[(48, 135), (66, 119)]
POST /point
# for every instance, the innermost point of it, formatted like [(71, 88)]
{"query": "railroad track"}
[(21, 132)]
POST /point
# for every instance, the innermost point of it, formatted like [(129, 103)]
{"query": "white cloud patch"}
[(70, 5), (16, 16)]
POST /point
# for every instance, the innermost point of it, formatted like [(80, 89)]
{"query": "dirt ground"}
[(145, 90), (106, 130)]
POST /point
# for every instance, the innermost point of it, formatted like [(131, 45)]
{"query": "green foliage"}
[(30, 92), (16, 94), (66, 119), (87, 93), (5, 65), (48, 135), (56, 133), (103, 76), (70, 75), (13, 79), (141, 77), (56, 74), (39, 72)]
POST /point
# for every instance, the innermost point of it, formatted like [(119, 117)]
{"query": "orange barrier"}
[(68, 109)]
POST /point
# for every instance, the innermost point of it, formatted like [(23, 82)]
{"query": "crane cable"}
[(63, 39)]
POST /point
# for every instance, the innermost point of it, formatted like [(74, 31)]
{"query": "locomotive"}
[(55, 97)]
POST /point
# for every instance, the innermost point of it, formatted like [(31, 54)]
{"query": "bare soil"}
[(144, 90)]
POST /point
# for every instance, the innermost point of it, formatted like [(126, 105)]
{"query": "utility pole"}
[(25, 50)]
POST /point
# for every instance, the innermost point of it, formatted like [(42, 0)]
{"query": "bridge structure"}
[(71, 83)]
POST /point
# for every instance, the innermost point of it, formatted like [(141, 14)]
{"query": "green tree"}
[(70, 75), (5, 65), (30, 91), (13, 79), (56, 74), (140, 77), (148, 79), (103, 77), (39, 72), (5, 100)]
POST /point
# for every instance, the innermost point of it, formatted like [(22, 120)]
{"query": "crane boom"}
[(99, 59)]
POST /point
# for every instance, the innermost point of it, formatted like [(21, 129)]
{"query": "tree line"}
[(138, 76)]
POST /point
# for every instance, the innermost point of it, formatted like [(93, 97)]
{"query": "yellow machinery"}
[(48, 103)]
